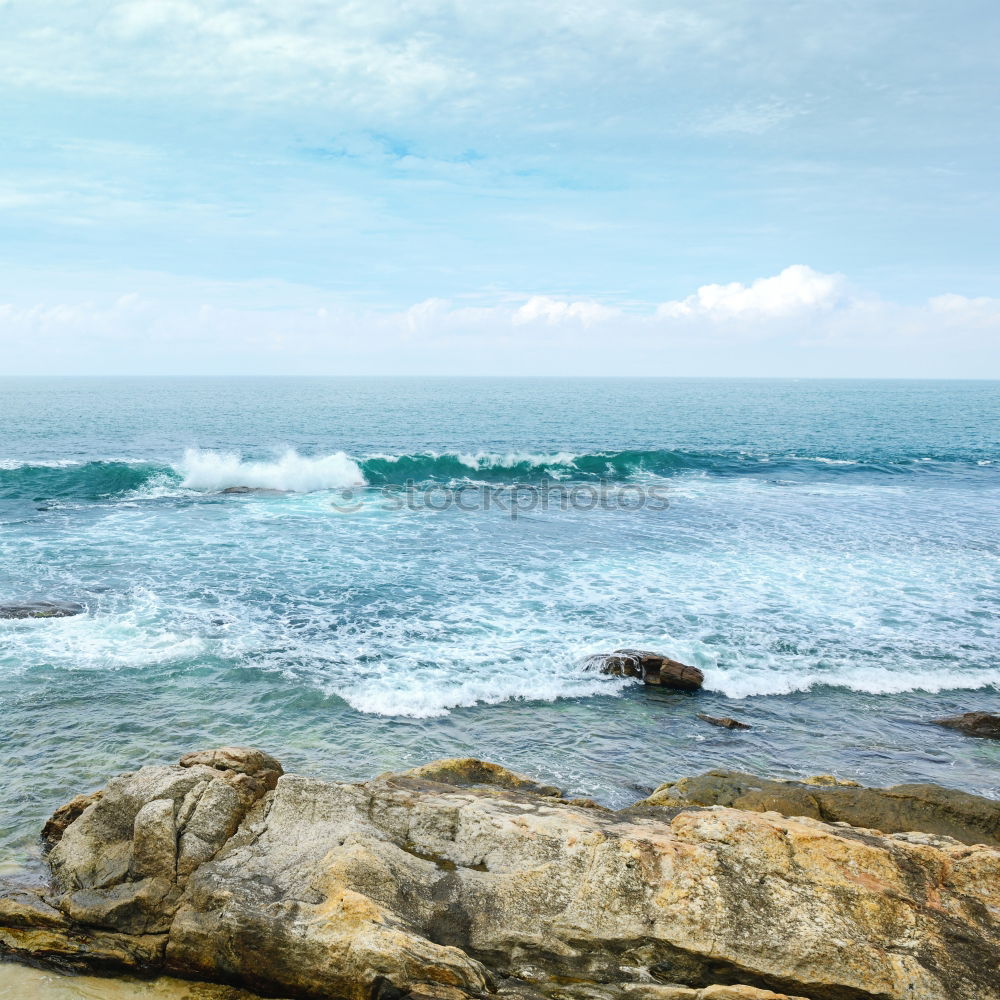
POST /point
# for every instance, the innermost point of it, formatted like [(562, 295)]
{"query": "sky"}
[(523, 187)]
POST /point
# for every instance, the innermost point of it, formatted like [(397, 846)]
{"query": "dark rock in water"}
[(726, 722), (653, 668), (981, 724), (259, 490), (41, 609), (461, 879), (899, 809)]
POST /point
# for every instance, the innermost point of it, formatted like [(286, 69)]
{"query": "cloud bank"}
[(799, 322)]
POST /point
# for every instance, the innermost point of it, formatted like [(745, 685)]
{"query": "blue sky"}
[(543, 187)]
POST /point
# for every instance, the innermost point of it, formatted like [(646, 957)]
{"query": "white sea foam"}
[(292, 472), (821, 460), (491, 460), (135, 634), (749, 682), (481, 460), (436, 692), (13, 464)]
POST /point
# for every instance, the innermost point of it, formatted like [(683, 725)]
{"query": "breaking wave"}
[(211, 471)]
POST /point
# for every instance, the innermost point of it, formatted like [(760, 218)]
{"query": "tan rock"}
[(741, 993), (467, 771), (902, 808), (154, 841), (56, 824), (460, 878)]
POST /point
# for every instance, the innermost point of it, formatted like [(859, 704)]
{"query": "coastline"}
[(490, 883)]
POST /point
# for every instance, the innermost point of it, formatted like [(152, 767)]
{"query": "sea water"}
[(421, 567)]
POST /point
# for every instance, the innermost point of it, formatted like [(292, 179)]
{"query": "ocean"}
[(420, 568)]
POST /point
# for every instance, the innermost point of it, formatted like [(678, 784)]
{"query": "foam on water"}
[(416, 614), (748, 682), (136, 632), (213, 470), (854, 593)]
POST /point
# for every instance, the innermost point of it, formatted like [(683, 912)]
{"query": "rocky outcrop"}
[(981, 724), (902, 808), (463, 879), (41, 609), (724, 722), (651, 667)]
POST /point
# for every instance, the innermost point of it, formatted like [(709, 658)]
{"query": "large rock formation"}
[(925, 808), (461, 878)]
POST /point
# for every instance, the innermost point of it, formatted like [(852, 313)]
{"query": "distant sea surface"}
[(827, 552)]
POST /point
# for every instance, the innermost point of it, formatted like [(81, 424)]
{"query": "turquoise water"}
[(826, 551)]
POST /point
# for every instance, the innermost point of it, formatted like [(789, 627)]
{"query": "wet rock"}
[(259, 490), (981, 724), (653, 668), (924, 808), (646, 992), (56, 824), (19, 982), (41, 609), (829, 779), (725, 721), (461, 879), (465, 772)]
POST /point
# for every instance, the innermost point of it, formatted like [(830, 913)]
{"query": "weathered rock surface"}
[(981, 724), (651, 667), (902, 808), (55, 825), (461, 878), (725, 722), (41, 609)]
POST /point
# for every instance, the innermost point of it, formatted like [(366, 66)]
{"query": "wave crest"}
[(210, 470), (291, 472)]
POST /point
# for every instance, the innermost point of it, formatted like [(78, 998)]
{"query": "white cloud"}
[(962, 305), (554, 311), (797, 322), (795, 289), (524, 60)]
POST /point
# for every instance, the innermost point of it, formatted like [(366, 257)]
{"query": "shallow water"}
[(19, 982), (828, 554)]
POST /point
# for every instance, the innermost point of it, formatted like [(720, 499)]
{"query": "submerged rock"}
[(981, 724), (651, 667), (261, 490), (726, 722), (41, 609), (463, 879), (900, 809)]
